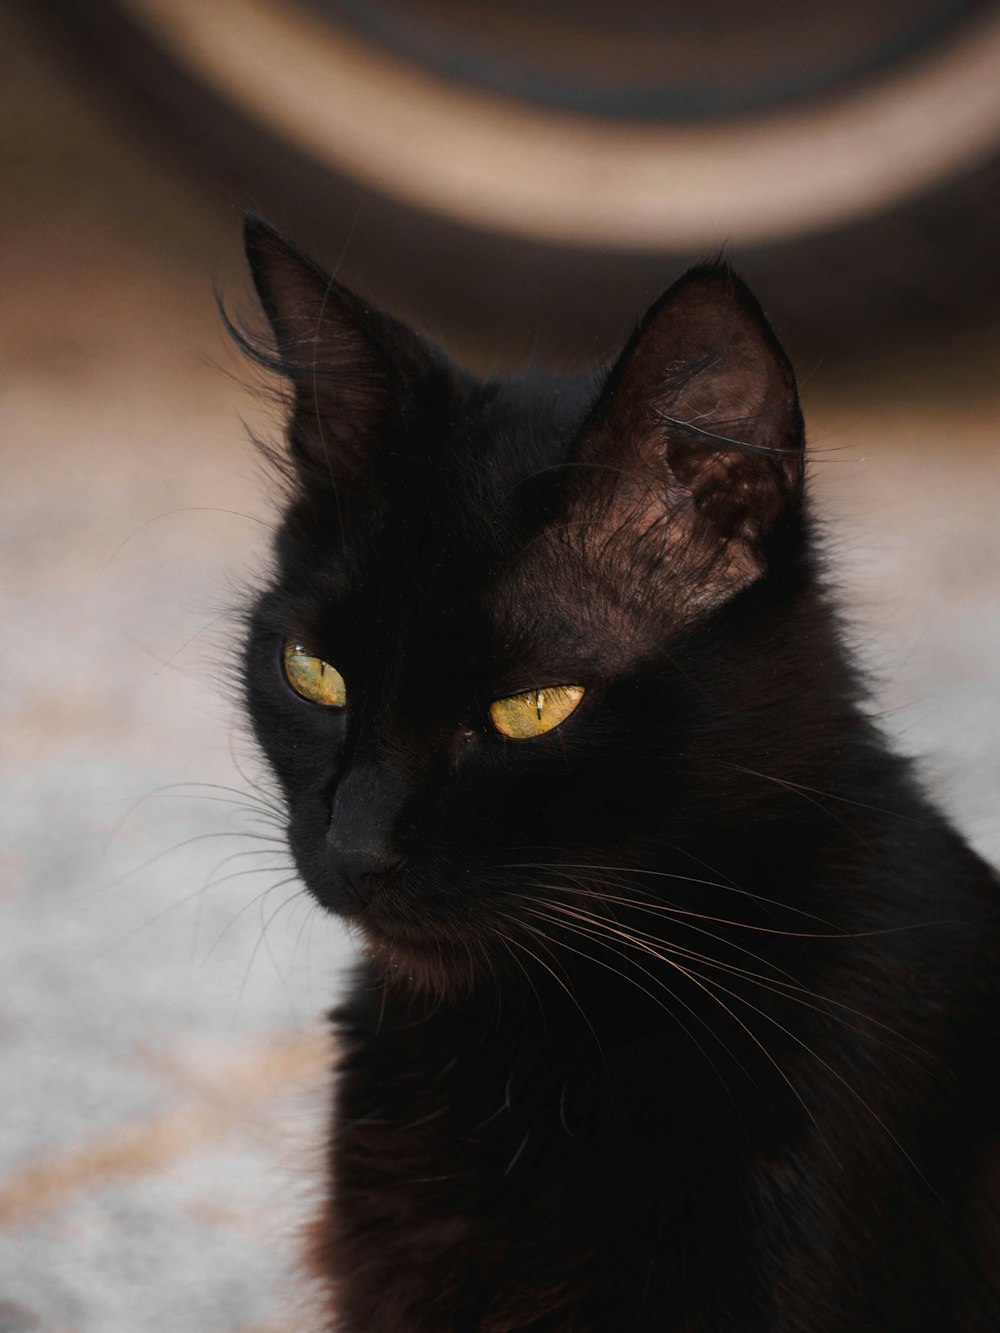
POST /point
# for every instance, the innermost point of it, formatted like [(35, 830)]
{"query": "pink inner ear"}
[(730, 440), (695, 450), (705, 387)]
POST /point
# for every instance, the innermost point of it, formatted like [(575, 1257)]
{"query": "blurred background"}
[(520, 180)]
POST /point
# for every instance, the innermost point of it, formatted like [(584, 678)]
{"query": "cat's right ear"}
[(350, 364)]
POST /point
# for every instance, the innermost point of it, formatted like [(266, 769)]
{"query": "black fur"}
[(680, 1017)]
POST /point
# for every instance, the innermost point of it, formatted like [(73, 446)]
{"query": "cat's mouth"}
[(418, 927), (390, 932), (426, 961), (386, 921), (399, 955), (420, 941)]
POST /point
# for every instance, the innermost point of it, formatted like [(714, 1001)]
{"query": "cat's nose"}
[(362, 866), (363, 824)]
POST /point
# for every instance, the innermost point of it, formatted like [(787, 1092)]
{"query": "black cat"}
[(680, 1007)]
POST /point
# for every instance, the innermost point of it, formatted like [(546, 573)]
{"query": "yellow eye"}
[(534, 712), (313, 678)]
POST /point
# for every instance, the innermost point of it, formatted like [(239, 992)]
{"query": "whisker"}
[(837, 1075), (817, 791), (836, 933), (280, 850), (198, 894), (789, 979), (716, 985), (709, 989), (513, 1161), (664, 910), (270, 952), (779, 987), (559, 981), (246, 906), (629, 871), (666, 1008), (187, 842)]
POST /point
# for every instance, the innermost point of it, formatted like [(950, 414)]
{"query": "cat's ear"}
[(699, 431), (350, 364)]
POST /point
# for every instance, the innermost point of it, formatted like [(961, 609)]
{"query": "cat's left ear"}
[(351, 365), (697, 440)]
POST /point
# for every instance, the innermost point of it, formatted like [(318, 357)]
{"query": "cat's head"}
[(513, 623)]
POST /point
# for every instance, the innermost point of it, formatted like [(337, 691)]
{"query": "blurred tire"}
[(466, 167)]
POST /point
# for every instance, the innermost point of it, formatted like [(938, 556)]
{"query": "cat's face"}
[(485, 662)]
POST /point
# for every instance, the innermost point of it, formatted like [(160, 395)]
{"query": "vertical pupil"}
[(539, 701)]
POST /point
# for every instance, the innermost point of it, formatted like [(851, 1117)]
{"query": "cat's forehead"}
[(437, 552), (460, 495), (474, 545), (504, 433)]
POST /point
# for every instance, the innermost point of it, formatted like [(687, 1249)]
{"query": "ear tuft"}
[(350, 364), (290, 286)]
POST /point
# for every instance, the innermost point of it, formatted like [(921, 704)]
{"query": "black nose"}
[(362, 866), (363, 823)]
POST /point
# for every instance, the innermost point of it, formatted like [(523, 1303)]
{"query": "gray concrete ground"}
[(162, 1053)]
